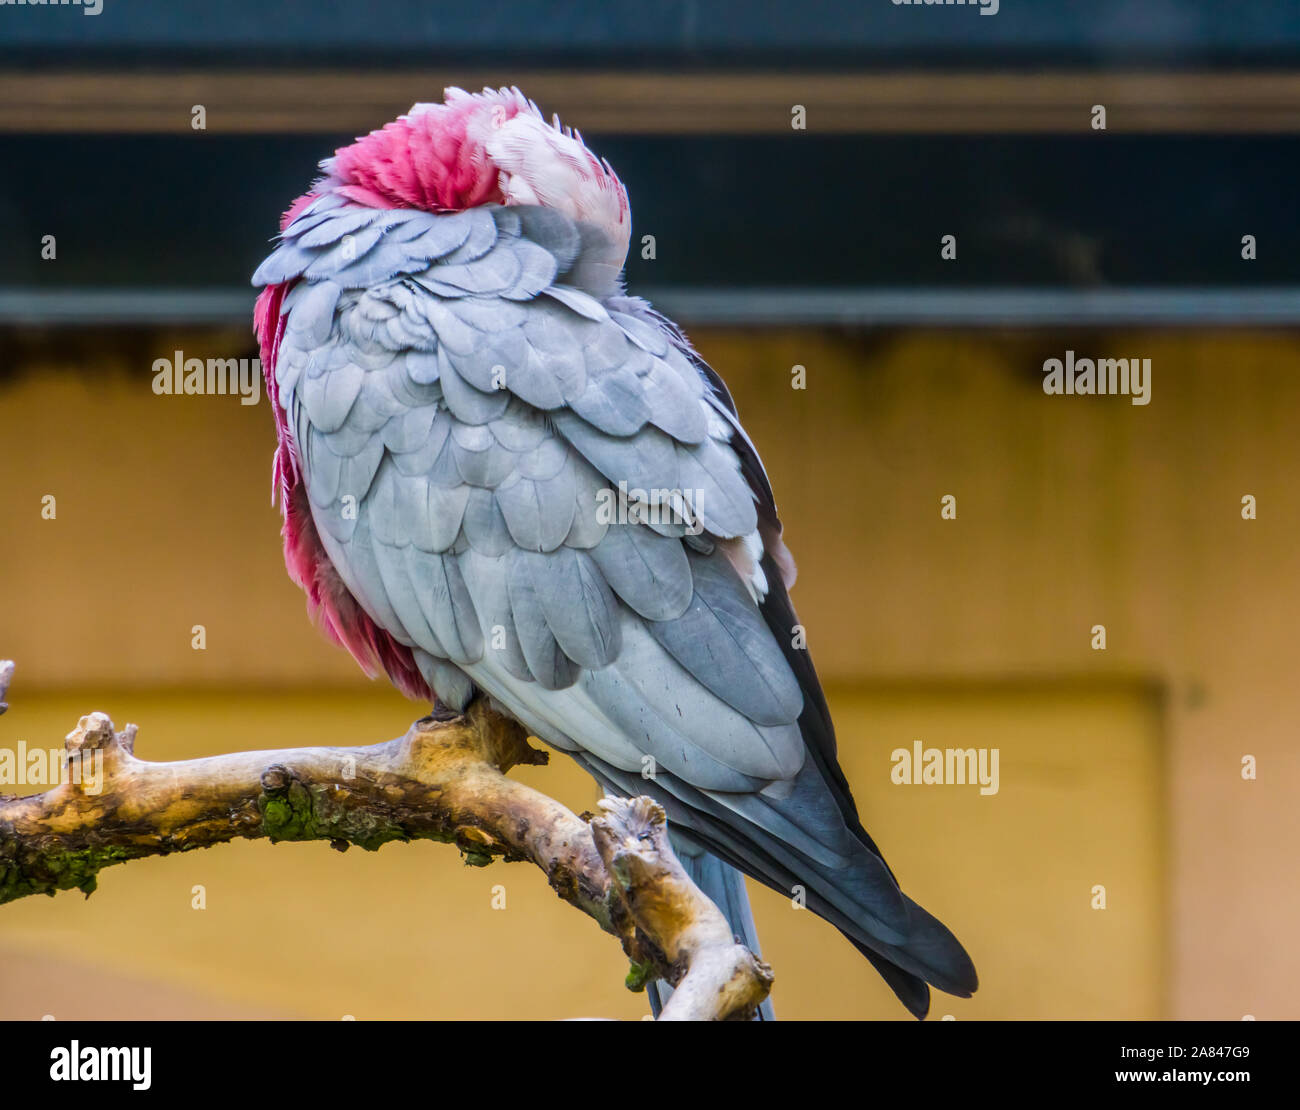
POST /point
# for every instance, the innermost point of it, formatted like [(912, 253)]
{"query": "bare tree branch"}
[(444, 780)]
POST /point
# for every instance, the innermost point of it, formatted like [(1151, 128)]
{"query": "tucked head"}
[(483, 148)]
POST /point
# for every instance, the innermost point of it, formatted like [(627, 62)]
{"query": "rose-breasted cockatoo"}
[(502, 476)]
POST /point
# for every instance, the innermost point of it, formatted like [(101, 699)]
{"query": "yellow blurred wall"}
[(1120, 768)]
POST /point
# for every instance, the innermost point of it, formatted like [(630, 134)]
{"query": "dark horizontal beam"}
[(921, 307), (984, 307), (642, 103), (739, 31), (805, 211)]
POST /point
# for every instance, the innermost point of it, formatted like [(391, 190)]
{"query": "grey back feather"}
[(536, 491), (528, 487)]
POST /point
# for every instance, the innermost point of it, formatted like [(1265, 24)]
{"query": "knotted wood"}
[(444, 780)]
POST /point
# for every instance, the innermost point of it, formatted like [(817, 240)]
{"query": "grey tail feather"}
[(725, 887)]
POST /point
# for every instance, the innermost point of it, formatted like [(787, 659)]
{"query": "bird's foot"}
[(440, 714)]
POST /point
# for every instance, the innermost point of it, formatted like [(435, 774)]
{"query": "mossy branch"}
[(444, 780)]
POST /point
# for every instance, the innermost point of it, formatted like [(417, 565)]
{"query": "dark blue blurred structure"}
[(768, 227), (666, 32)]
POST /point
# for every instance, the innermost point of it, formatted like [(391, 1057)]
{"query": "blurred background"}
[(777, 247)]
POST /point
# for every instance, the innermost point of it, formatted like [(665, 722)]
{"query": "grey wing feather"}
[(711, 481), (546, 660), (648, 571), (450, 684), (539, 512), (328, 398), (312, 312), (722, 641), (552, 231), (576, 603), (446, 603), (466, 402), (584, 304), (485, 527)]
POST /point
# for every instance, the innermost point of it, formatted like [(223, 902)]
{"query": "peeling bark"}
[(444, 780)]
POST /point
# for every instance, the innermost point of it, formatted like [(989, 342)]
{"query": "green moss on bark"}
[(56, 869), (309, 812), (638, 975)]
